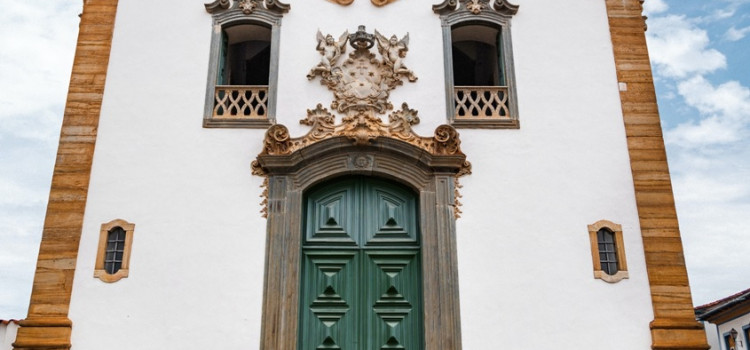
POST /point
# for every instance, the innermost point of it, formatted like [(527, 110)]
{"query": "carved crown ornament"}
[(475, 7), (247, 6), (361, 82)]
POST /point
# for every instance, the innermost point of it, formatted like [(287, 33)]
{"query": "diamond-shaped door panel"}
[(360, 274), (327, 299), (394, 297), (329, 216), (392, 219)]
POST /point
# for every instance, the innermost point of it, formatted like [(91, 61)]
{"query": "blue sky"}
[(700, 51)]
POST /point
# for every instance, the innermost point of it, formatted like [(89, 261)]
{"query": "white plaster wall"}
[(714, 339), (197, 261), (8, 334), (738, 324)]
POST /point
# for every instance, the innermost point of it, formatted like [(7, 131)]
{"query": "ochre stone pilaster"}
[(674, 325), (47, 325)]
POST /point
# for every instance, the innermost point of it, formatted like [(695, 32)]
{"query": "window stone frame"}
[(124, 271), (431, 176), (499, 15), (226, 14), (616, 229)]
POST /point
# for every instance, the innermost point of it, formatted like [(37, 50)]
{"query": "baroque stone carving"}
[(330, 50), (361, 84), (217, 5), (381, 2), (361, 129), (503, 7), (247, 6)]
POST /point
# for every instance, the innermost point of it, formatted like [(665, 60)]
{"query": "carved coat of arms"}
[(362, 81)]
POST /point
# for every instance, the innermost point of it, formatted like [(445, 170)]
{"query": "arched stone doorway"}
[(430, 171)]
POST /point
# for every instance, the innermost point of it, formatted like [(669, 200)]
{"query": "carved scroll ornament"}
[(503, 7), (247, 6), (362, 129)]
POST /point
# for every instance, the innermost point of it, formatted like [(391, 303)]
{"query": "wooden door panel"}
[(392, 215), (392, 299), (330, 215), (329, 300)]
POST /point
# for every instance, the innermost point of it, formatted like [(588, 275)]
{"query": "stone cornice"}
[(502, 7), (247, 6)]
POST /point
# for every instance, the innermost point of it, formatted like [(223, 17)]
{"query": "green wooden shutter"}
[(361, 268)]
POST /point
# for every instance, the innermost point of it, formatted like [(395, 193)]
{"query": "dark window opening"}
[(477, 56), (115, 249), (246, 55), (607, 251)]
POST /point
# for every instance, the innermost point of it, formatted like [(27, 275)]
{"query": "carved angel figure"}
[(393, 52), (330, 50)]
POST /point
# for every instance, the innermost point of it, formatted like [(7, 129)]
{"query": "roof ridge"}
[(723, 300)]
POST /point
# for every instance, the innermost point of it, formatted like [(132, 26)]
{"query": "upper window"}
[(608, 251), (479, 63), (113, 256), (242, 75), (246, 55)]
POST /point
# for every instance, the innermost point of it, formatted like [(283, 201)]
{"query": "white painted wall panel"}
[(198, 251), (718, 332), (8, 333)]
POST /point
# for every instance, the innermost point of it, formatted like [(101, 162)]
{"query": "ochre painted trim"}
[(622, 262), (674, 325), (47, 325), (124, 270)]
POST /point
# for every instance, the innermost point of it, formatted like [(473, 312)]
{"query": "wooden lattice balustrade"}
[(481, 102), (241, 101)]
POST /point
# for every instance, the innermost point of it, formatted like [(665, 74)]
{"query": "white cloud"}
[(734, 34), (38, 46), (713, 198), (705, 132), (38, 42), (724, 110), (651, 7), (679, 48), (731, 99), (723, 10), (720, 14)]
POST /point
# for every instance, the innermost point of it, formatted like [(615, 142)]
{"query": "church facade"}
[(354, 174)]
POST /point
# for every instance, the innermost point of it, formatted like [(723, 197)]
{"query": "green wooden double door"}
[(361, 268)]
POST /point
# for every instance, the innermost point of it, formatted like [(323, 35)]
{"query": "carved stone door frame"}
[(431, 176)]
